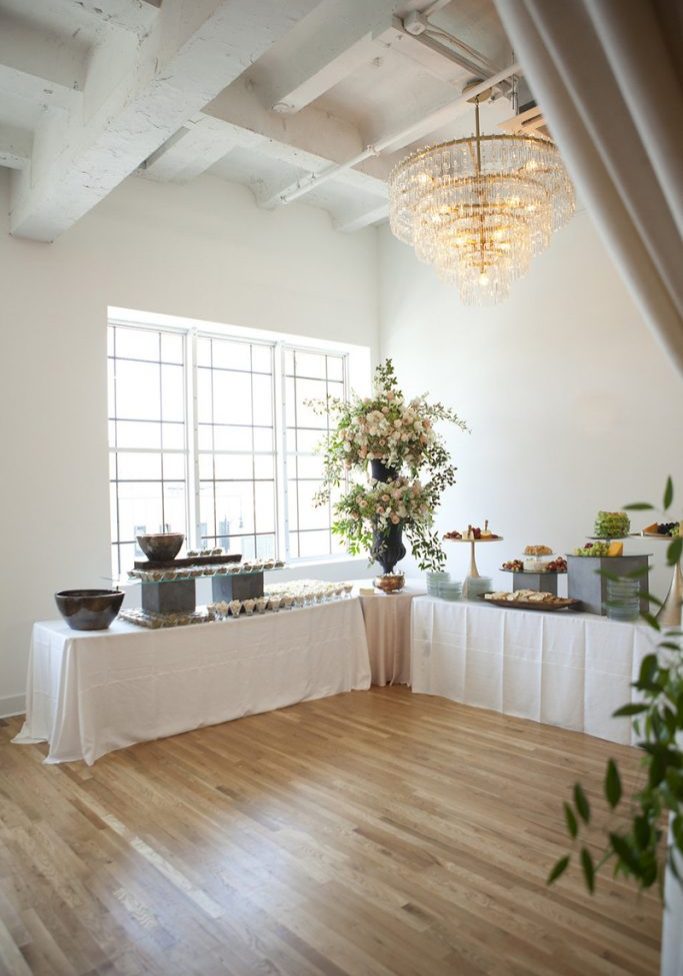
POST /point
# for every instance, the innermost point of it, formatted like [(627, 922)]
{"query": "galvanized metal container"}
[(585, 583)]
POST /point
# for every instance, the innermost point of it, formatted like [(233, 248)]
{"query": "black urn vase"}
[(380, 471), (387, 546)]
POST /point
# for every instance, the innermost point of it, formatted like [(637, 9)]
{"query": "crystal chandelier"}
[(480, 208)]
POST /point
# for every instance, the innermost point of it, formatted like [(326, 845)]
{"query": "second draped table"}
[(571, 670), (387, 628)]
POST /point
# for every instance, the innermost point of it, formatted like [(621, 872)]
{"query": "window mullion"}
[(193, 442), (280, 403)]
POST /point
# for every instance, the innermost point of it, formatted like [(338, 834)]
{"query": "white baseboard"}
[(12, 705)]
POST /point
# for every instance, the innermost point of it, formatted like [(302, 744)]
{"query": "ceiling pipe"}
[(434, 120)]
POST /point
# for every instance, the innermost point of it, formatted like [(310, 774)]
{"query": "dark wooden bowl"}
[(163, 545), (89, 609)]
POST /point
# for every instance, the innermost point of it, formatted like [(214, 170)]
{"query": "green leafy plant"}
[(635, 838), (401, 434)]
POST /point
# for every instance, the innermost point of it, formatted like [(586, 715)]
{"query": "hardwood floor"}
[(367, 834)]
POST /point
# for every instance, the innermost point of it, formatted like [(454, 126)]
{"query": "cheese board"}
[(558, 603)]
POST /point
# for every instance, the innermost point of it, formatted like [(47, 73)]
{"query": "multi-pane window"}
[(147, 437), (235, 426), (200, 443), (308, 376)]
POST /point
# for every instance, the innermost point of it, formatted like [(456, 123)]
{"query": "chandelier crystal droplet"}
[(479, 209)]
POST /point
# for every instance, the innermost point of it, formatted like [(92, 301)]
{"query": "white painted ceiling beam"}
[(432, 55), (337, 37), (15, 147), (311, 139), (390, 142), (366, 218), (200, 143), (35, 64), (194, 49), (132, 15)]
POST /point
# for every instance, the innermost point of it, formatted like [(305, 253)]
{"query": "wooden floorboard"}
[(368, 834)]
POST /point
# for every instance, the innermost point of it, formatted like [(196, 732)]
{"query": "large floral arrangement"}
[(384, 427), (401, 435)]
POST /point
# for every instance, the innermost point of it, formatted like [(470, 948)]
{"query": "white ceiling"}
[(259, 92)]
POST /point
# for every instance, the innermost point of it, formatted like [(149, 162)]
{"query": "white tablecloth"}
[(90, 693), (571, 670), (387, 627)]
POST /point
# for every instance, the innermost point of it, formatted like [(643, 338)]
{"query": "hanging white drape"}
[(608, 75)]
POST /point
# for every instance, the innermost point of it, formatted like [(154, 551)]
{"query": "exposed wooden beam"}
[(194, 49)]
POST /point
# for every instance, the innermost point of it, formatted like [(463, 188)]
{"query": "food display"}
[(390, 582), (309, 591), (282, 596), (473, 533), (556, 565), (600, 549), (531, 599), (538, 551), (513, 566), (672, 529), (611, 525), (153, 621), (193, 571)]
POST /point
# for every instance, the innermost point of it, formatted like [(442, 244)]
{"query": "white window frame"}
[(315, 351), (190, 334)]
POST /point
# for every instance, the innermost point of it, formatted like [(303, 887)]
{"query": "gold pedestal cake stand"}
[(473, 542)]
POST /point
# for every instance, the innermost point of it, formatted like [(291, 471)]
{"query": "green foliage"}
[(588, 869), (401, 434), (612, 784), (581, 802), (635, 842), (570, 817), (559, 869)]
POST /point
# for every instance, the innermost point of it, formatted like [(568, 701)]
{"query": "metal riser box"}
[(585, 583), (540, 582), (177, 596), (238, 587)]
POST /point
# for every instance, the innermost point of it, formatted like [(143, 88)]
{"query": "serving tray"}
[(563, 603), (233, 557), (537, 572)]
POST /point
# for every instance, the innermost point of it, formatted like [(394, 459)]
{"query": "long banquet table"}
[(91, 693), (570, 670)]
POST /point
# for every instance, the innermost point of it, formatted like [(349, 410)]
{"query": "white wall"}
[(204, 251), (572, 404)]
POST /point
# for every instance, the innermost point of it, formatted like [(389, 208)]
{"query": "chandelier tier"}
[(480, 208)]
